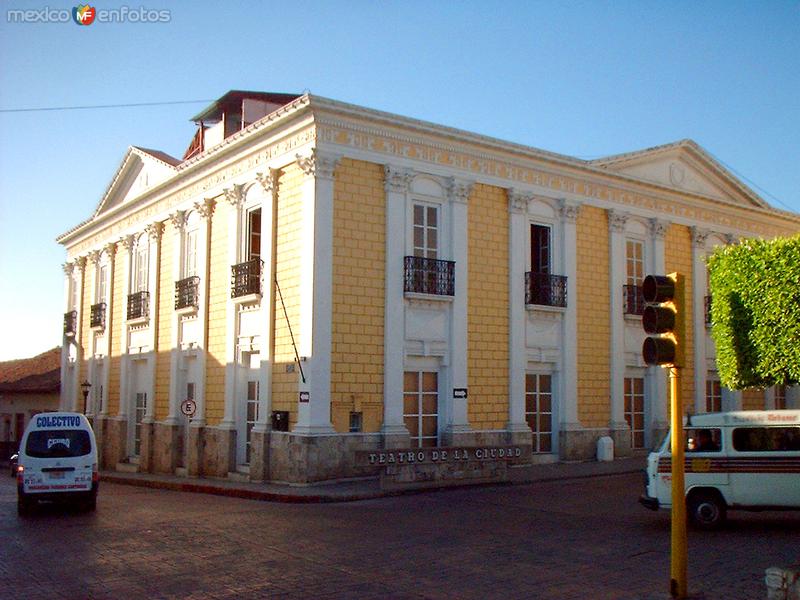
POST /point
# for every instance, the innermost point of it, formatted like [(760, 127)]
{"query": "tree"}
[(755, 312)]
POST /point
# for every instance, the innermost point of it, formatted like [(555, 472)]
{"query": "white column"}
[(205, 209), (80, 351), (111, 252), (128, 243), (316, 293), (95, 258), (269, 183), (517, 318), (397, 182), (456, 408), (658, 376), (698, 324), (616, 226), (154, 232), (69, 283), (569, 352), (234, 196), (178, 220)]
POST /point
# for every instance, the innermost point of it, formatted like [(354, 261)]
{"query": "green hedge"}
[(755, 312)]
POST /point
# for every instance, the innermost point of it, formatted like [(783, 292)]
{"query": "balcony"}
[(138, 305), (71, 322), (97, 315), (246, 278), (429, 276), (707, 302), (633, 300), (187, 292), (544, 289)]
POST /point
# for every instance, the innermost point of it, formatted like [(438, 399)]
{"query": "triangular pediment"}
[(140, 170), (683, 166)]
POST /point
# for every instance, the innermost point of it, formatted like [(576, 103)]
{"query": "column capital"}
[(234, 195), (730, 239), (518, 200), (94, 257), (205, 208), (178, 219), (111, 249), (154, 231), (317, 164), (617, 220), (80, 262), (128, 242), (459, 191), (699, 237), (396, 179), (68, 268), (268, 181), (569, 211), (658, 228)]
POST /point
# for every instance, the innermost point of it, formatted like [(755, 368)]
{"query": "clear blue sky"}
[(582, 78)]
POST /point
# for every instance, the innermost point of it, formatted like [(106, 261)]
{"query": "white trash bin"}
[(605, 449)]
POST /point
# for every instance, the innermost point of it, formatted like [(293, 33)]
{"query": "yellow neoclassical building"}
[(314, 278)]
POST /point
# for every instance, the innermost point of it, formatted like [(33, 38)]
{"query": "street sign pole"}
[(678, 586)]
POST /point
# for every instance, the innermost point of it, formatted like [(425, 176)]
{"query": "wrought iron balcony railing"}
[(71, 322), (138, 305), (97, 315), (633, 300), (708, 310), (187, 292), (545, 289), (429, 276), (246, 278)]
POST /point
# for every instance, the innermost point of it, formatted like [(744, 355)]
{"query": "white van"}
[(736, 460), (57, 461)]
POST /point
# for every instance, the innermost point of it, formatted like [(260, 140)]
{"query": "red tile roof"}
[(38, 374)]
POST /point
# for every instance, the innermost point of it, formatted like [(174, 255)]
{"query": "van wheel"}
[(24, 506), (707, 510)]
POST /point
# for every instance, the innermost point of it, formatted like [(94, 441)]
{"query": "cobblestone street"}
[(584, 538)]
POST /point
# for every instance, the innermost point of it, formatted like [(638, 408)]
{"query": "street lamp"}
[(85, 389)]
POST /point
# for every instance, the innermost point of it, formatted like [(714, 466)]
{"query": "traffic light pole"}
[(677, 585)]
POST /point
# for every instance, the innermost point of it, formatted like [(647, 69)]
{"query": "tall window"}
[(190, 252), (539, 410), (421, 407), (426, 230), (634, 409), (253, 246), (140, 263), (102, 289), (138, 416), (251, 417), (634, 261), (540, 249), (713, 396)]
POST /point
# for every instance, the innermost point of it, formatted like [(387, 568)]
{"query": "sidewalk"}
[(366, 489)]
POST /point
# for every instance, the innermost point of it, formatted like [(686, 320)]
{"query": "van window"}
[(766, 439), (705, 439), (58, 443)]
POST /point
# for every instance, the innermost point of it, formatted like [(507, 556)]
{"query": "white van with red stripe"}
[(734, 460), (57, 461)]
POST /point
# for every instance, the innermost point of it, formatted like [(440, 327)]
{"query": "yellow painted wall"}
[(594, 326), (165, 306), (219, 290), (113, 327), (753, 399), (287, 272), (359, 232), (678, 257), (487, 307)]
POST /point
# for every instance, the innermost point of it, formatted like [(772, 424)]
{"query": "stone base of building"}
[(114, 440), (621, 434), (579, 444), (167, 446)]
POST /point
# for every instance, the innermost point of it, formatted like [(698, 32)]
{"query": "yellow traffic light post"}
[(665, 319)]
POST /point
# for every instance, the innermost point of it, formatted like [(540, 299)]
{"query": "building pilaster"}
[(205, 209), (316, 293), (616, 225), (178, 220), (67, 373), (517, 318), (128, 243), (397, 183), (234, 196), (569, 213), (657, 376), (699, 285)]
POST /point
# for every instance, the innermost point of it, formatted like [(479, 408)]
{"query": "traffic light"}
[(664, 318)]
